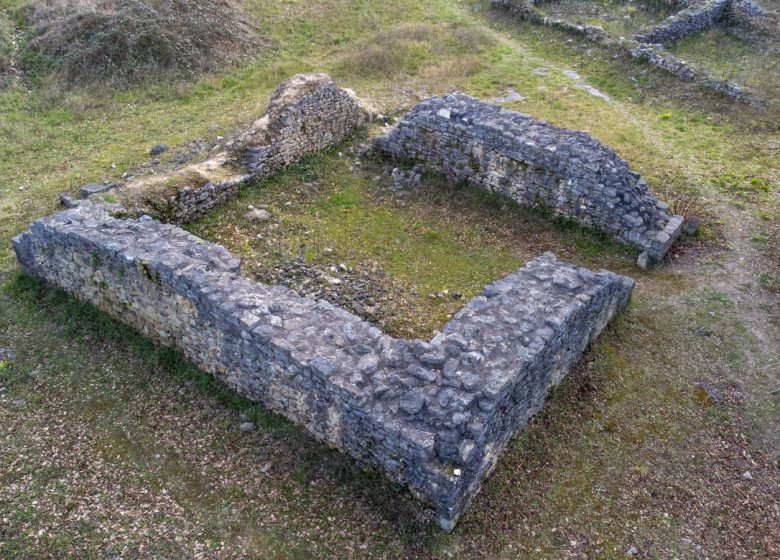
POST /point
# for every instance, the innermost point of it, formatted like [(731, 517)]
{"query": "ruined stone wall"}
[(659, 57), (687, 22), (434, 415), (655, 54), (306, 114), (535, 164)]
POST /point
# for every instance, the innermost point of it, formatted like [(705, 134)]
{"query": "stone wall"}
[(306, 114), (687, 22), (535, 164), (658, 56), (434, 415)]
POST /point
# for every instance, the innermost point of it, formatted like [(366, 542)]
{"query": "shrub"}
[(127, 41)]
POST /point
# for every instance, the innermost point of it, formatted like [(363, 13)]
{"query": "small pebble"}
[(247, 426)]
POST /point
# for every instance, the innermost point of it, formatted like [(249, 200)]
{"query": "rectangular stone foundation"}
[(434, 416)]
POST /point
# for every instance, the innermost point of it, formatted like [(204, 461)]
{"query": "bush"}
[(123, 42)]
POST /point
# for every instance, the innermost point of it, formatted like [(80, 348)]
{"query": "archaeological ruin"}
[(535, 164), (432, 415), (435, 416), (650, 44)]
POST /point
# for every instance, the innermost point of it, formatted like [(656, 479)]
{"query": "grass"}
[(117, 447), (6, 47), (618, 17)]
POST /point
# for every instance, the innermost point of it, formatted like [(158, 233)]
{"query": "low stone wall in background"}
[(687, 22), (648, 46), (535, 164), (306, 114), (433, 416)]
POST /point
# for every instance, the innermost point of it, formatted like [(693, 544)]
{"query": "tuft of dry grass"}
[(123, 42)]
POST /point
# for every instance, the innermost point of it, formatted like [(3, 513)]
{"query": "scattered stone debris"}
[(6, 355), (594, 92), (362, 290), (632, 551), (258, 215), (707, 394), (541, 71), (68, 201), (747, 475), (691, 225), (158, 149), (572, 75), (404, 179), (95, 188)]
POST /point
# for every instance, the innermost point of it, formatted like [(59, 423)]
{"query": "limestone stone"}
[(307, 113)]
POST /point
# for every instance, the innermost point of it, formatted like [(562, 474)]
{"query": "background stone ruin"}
[(649, 44), (434, 415), (535, 164)]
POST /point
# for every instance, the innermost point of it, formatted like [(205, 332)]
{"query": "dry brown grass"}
[(127, 41)]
